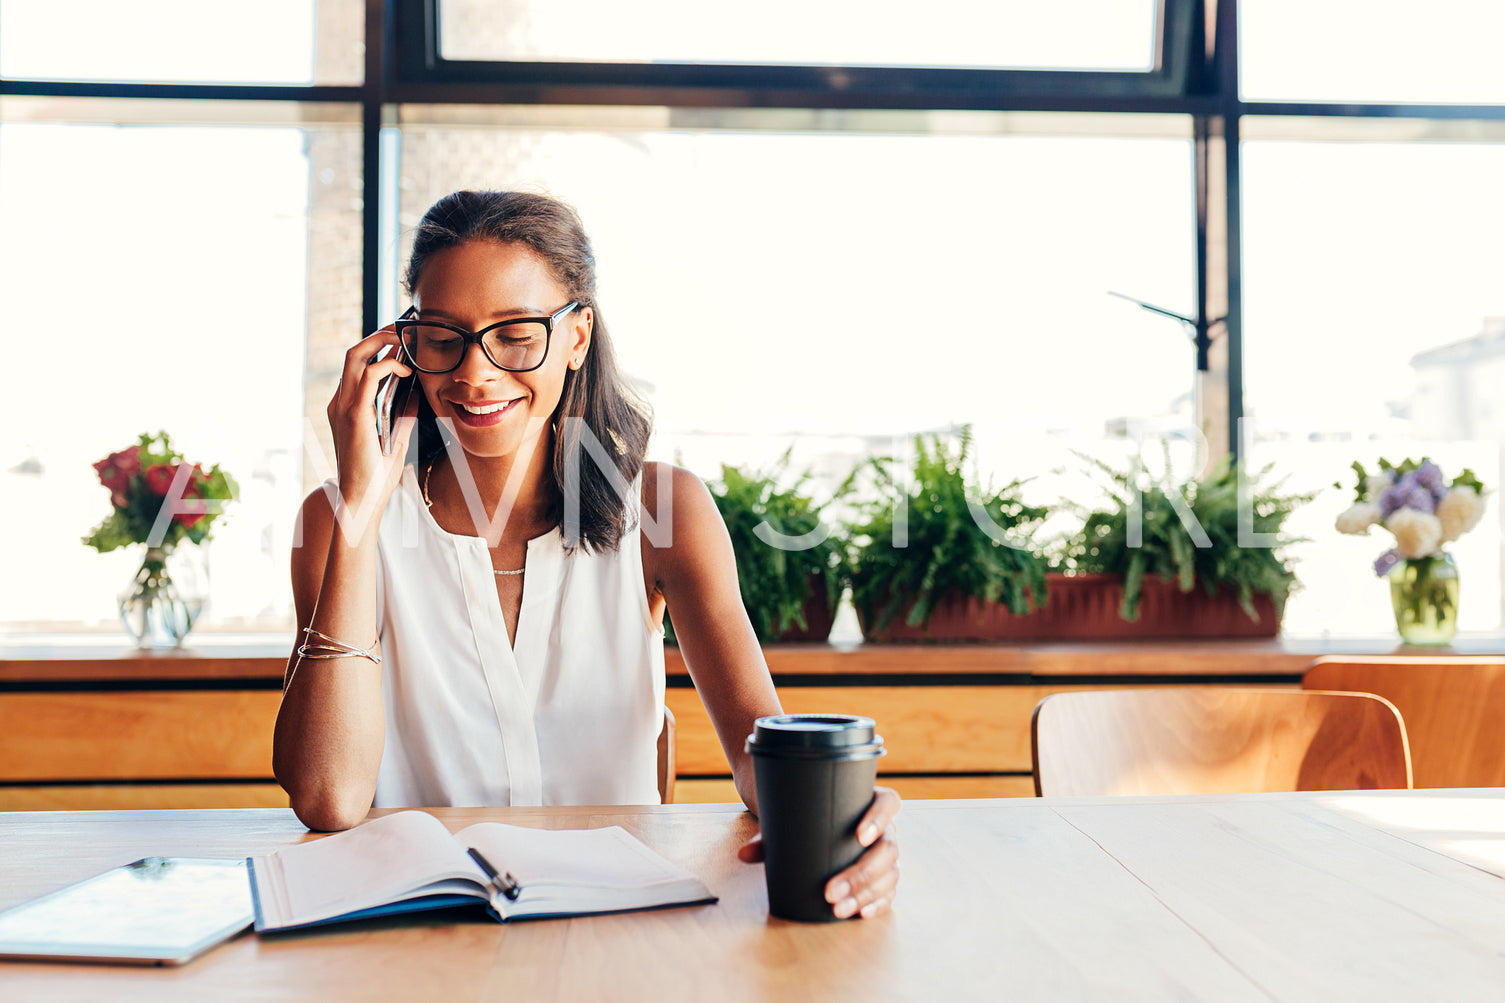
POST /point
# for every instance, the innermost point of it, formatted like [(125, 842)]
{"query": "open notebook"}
[(409, 861)]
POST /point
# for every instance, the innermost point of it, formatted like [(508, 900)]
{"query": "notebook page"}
[(598, 858), (368, 865)]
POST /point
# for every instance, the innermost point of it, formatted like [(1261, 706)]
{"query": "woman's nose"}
[(474, 366)]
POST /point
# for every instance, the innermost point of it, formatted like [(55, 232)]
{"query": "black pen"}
[(505, 883)]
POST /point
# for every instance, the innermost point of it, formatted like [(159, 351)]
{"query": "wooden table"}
[(1376, 895)]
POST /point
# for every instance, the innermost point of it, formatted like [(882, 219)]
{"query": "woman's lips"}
[(473, 420)]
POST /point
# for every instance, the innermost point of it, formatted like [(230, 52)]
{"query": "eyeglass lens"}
[(515, 346)]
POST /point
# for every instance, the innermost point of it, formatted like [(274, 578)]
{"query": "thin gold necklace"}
[(430, 503)]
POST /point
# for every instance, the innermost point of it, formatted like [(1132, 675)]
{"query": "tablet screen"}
[(159, 910)]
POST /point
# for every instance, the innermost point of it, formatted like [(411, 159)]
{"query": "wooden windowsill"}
[(61, 659)]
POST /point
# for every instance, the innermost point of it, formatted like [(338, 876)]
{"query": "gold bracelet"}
[(334, 648)]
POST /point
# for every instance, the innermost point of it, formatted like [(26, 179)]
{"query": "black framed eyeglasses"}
[(518, 345)]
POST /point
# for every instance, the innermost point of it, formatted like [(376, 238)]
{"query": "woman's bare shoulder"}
[(680, 517), (665, 485)]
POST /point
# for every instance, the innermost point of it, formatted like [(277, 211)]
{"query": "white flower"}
[(1375, 483), (1359, 518), (1417, 534), (1459, 511)]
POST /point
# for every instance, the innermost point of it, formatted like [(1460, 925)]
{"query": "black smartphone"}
[(391, 400)]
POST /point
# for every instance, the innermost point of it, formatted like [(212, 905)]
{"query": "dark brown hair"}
[(596, 393)]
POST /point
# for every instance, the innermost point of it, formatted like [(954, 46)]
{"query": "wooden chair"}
[(1454, 709), (1215, 740), (666, 759)]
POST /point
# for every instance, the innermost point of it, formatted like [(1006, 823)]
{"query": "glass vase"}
[(1424, 592), (158, 612)]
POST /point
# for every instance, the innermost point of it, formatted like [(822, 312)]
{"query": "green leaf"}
[(111, 534), (1468, 479), (948, 552), (1167, 550), (1184, 557), (776, 584), (1133, 587)]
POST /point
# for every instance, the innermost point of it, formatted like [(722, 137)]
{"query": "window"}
[(168, 268), (1444, 52), (1375, 322), (930, 205), (1086, 35), (771, 278), (183, 41)]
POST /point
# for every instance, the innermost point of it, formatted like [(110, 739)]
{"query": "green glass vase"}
[(1424, 592)]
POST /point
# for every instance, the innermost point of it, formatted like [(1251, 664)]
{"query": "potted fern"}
[(790, 591), (1186, 574), (947, 577)]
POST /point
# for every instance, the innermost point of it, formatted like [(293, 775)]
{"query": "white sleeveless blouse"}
[(568, 715)]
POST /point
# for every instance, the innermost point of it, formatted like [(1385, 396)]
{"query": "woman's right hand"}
[(367, 476)]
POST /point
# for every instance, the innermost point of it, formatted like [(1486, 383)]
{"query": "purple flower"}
[(1406, 493), (1429, 476), (1419, 498), (1389, 500), (1386, 561)]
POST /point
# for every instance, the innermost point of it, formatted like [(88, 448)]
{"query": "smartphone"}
[(391, 400)]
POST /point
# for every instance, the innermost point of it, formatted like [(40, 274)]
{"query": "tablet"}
[(156, 911)]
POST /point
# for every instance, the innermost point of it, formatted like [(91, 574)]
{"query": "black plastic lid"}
[(815, 736)]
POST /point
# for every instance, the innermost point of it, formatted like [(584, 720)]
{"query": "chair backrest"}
[(666, 759), (1215, 740), (1454, 709)]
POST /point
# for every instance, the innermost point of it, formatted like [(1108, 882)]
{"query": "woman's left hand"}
[(867, 887)]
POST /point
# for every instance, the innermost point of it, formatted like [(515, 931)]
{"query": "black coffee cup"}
[(815, 775)]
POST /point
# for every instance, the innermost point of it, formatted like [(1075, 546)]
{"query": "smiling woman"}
[(499, 265), (514, 590)]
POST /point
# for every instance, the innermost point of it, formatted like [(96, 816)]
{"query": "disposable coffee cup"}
[(815, 775)]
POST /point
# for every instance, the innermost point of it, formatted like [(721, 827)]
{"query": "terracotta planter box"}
[(1085, 607)]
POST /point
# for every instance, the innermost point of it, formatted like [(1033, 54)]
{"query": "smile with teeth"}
[(483, 408), (481, 414)]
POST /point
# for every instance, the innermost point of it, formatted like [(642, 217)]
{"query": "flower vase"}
[(1424, 592), (157, 611)]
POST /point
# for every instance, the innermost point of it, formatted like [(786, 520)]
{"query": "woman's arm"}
[(327, 746), (695, 574), (331, 728), (692, 568)]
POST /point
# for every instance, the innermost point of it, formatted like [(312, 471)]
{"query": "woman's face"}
[(472, 286)]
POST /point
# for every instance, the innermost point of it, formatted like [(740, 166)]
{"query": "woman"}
[(483, 626)]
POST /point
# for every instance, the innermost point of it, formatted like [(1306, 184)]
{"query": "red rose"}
[(109, 476), (190, 512), (116, 470), (159, 479), (118, 499)]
